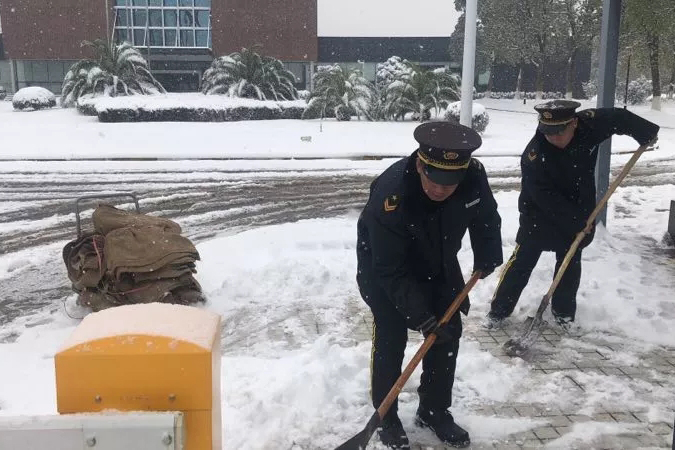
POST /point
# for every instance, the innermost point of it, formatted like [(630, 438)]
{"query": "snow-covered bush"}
[(33, 97), (590, 88), (247, 74), (638, 90), (389, 71), (304, 94), (119, 69), (86, 105), (479, 119), (193, 108), (527, 95), (3, 93), (339, 94), (418, 91)]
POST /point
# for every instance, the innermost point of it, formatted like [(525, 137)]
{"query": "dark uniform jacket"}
[(558, 185), (407, 244)]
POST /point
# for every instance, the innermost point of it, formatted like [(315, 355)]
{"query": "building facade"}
[(41, 39)]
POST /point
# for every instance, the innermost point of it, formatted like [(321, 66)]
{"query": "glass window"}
[(202, 18), (186, 18), (139, 36), (121, 20), (121, 34), (156, 38), (140, 18), (187, 38), (170, 38), (170, 18), (201, 38), (172, 23), (155, 18)]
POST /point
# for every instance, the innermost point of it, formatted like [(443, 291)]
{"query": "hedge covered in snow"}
[(189, 108), (479, 120), (33, 97), (512, 95)]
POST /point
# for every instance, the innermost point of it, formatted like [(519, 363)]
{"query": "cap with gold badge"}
[(554, 115), (445, 150)]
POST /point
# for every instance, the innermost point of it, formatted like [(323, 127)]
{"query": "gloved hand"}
[(443, 333), (652, 142), (590, 234)]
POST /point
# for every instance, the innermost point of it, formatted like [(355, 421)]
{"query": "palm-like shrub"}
[(418, 91), (340, 94), (247, 74), (119, 69)]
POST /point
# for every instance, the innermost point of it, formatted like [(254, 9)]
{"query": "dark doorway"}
[(179, 81)]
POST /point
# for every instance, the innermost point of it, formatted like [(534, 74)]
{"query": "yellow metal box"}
[(150, 357)]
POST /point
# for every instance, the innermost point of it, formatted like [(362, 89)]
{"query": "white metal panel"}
[(105, 431)]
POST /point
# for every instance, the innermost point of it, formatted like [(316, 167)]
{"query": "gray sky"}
[(375, 18)]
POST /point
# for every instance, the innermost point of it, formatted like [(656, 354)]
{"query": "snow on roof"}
[(386, 18), (183, 323)]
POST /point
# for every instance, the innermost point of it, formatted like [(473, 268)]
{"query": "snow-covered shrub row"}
[(512, 95), (479, 116), (638, 91), (33, 97), (194, 108), (86, 105)]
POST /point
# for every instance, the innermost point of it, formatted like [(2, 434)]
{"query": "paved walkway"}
[(593, 355), (598, 375)]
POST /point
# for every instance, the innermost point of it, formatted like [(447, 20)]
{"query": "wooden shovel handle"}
[(591, 219)]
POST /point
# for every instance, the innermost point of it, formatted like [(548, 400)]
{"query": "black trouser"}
[(390, 335), (516, 274)]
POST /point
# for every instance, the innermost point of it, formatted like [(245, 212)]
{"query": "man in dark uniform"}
[(409, 234), (558, 195)]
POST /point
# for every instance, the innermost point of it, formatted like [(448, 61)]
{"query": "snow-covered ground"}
[(295, 361), (64, 134)]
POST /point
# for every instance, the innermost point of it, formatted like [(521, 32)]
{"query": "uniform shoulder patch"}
[(532, 154), (391, 203)]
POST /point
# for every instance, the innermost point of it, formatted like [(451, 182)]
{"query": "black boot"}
[(392, 434), (442, 423)]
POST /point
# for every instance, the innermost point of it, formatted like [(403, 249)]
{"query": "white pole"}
[(468, 62)]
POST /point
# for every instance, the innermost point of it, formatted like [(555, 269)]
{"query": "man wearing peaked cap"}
[(445, 150), (557, 196), (556, 115), (409, 234)]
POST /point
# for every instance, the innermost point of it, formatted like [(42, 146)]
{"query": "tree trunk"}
[(653, 45), (671, 84), (571, 71), (491, 79), (539, 86), (520, 80)]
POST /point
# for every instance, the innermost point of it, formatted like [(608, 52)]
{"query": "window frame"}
[(131, 9)]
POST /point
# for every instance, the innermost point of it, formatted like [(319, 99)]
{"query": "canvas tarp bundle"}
[(132, 258)]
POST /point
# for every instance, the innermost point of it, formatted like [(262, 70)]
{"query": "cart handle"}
[(100, 196)]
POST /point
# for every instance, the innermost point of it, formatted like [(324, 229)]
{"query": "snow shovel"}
[(360, 441), (520, 345)]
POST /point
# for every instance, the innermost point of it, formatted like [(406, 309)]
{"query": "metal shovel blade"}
[(360, 441), (519, 346)]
